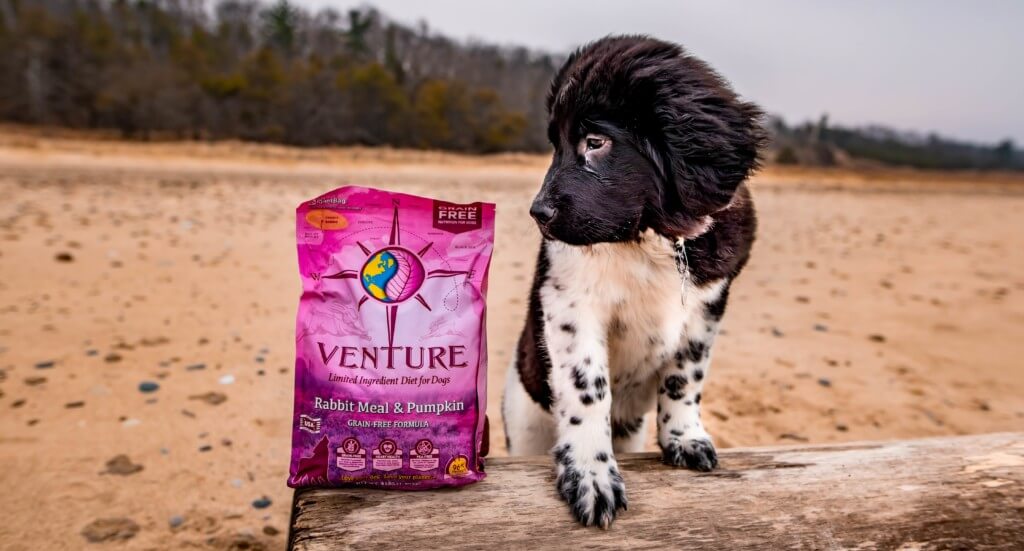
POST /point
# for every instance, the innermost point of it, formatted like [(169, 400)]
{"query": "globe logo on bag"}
[(392, 275)]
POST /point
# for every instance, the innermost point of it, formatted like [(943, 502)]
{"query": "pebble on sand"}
[(270, 530), (876, 338), (122, 465), (195, 367), (45, 365), (792, 436), (261, 503), (148, 386), (824, 382), (820, 327), (110, 529), (719, 415), (64, 257), (74, 405), (176, 521), (226, 379), (212, 398)]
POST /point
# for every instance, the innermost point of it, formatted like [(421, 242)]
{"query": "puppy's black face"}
[(645, 137), (598, 187)]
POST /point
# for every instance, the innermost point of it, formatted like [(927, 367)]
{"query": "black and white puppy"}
[(646, 222)]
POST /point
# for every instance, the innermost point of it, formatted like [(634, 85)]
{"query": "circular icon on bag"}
[(424, 447), (392, 274), (350, 445), (387, 447)]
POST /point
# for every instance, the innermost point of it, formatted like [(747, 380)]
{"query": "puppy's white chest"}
[(634, 290)]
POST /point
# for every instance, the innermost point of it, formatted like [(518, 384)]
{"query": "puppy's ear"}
[(709, 144)]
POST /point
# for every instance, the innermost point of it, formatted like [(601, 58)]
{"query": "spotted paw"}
[(698, 454), (592, 487)]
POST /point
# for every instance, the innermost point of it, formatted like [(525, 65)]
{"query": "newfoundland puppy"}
[(646, 221)]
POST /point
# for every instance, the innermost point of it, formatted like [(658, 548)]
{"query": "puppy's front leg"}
[(681, 434), (588, 475)]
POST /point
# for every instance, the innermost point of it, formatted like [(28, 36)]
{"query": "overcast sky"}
[(956, 68)]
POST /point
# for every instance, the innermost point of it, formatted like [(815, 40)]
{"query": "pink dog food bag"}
[(391, 348)]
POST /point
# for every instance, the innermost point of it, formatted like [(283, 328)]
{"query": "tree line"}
[(273, 72), (264, 72), (822, 144)]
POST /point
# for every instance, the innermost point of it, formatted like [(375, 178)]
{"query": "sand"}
[(878, 304)]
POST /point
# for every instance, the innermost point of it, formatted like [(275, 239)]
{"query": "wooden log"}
[(964, 492)]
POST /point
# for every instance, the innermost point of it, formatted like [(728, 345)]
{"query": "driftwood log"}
[(964, 492)]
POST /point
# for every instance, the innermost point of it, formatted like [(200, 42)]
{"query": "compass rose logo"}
[(394, 274)]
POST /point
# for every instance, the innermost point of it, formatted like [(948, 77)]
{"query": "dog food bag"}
[(391, 348)]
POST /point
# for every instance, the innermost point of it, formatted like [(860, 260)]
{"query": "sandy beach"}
[(148, 294)]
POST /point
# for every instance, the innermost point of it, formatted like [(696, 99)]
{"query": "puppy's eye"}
[(594, 144)]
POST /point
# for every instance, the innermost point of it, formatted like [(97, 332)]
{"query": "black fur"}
[(532, 359), (625, 428), (675, 386), (699, 455)]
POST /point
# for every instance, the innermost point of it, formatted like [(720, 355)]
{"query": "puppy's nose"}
[(542, 212)]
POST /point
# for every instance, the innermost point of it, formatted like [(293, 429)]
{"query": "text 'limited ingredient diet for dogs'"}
[(391, 349)]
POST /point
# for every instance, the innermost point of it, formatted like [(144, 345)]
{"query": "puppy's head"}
[(645, 136)]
